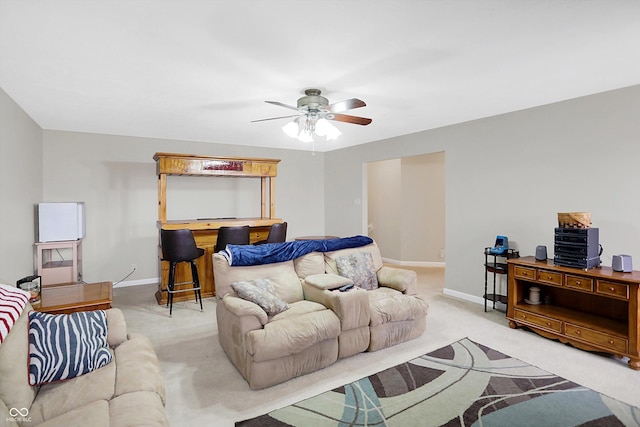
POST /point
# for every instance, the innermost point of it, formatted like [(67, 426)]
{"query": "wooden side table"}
[(69, 298)]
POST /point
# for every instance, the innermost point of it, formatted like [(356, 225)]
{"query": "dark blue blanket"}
[(269, 253)]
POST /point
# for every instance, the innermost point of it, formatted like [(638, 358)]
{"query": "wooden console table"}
[(205, 231), (595, 309)]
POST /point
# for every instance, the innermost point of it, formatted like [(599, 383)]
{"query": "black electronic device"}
[(577, 247), (345, 288), (31, 284), (27, 279)]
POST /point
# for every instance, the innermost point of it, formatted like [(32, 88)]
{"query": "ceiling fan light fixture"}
[(326, 129), (291, 129), (314, 112), (305, 136)]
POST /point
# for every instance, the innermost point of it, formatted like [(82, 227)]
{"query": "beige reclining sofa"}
[(321, 324), (128, 391)]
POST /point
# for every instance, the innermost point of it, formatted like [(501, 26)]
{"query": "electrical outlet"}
[(134, 267)]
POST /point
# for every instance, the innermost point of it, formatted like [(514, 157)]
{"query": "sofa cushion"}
[(63, 346), (388, 305), (9, 418), (311, 263), (283, 274), (116, 327), (140, 408), (330, 257), (278, 338), (298, 308), (15, 390), (58, 398), (94, 414), (138, 368), (261, 292), (359, 268)]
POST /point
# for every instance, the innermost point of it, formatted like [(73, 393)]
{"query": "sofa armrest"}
[(400, 279), (240, 307), (352, 307), (116, 327)]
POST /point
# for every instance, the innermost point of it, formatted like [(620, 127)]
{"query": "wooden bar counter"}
[(205, 230)]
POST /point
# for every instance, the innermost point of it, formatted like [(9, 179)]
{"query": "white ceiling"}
[(200, 70)]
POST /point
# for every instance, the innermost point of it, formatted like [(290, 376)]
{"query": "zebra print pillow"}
[(64, 346)]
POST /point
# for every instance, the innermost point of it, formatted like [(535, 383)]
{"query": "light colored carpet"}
[(462, 384), (205, 389)]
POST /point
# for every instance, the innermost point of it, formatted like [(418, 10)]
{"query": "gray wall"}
[(115, 177), (406, 208), (423, 222), (384, 196), (511, 174), (507, 174), (20, 189)]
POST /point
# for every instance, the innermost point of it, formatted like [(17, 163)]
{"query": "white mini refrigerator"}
[(59, 222)]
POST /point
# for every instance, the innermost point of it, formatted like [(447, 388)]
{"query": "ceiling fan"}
[(313, 111)]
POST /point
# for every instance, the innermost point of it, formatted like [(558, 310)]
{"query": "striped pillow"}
[(12, 302), (64, 346)]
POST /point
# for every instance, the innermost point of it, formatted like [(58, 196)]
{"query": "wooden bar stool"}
[(180, 246)]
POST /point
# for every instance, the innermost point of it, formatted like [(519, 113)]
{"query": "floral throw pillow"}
[(261, 292), (359, 268)]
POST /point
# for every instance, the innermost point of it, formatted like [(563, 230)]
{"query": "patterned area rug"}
[(463, 384)]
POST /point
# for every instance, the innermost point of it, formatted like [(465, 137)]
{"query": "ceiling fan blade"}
[(280, 104), (275, 118), (351, 119), (345, 105)]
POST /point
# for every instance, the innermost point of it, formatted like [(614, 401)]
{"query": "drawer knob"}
[(612, 288), (577, 332), (524, 316), (548, 323), (611, 342), (578, 282)]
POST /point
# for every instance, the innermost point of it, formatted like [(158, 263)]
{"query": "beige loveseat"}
[(321, 324), (128, 391)]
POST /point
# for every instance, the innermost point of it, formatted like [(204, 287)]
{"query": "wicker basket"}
[(574, 219)]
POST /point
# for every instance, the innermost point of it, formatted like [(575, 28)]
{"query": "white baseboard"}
[(463, 296), (414, 263), (138, 282), (471, 298)]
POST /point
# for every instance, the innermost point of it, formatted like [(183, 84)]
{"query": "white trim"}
[(138, 282), (471, 298), (414, 263), (463, 296)]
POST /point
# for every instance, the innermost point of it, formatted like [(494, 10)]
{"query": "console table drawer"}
[(616, 290), (537, 320), (577, 282), (594, 337), (525, 273), (550, 277)]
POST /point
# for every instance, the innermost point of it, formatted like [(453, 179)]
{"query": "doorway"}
[(405, 208)]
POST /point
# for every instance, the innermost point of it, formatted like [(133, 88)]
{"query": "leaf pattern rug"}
[(463, 384)]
